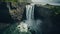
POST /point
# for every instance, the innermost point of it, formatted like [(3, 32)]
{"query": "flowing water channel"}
[(30, 24)]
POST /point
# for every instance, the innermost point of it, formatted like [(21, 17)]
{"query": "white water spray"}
[(30, 14), (30, 22), (30, 17)]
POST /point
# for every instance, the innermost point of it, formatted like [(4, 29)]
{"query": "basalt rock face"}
[(44, 14), (5, 16), (50, 24), (41, 11), (4, 13)]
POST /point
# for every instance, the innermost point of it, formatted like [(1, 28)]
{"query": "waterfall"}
[(29, 12), (32, 24), (28, 26)]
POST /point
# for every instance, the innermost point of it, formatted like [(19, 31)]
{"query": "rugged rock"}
[(50, 23), (10, 13), (16, 11)]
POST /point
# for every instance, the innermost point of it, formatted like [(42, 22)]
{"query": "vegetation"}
[(56, 9)]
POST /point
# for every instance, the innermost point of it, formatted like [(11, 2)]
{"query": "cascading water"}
[(30, 24), (29, 12)]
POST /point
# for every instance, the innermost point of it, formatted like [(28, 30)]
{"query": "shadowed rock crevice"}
[(5, 16)]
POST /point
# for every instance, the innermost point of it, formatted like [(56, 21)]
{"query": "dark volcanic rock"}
[(4, 13), (41, 11), (50, 23)]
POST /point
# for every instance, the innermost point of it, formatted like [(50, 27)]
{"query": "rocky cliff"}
[(10, 12)]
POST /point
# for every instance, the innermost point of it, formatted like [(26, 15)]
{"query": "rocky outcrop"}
[(16, 11), (10, 13)]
